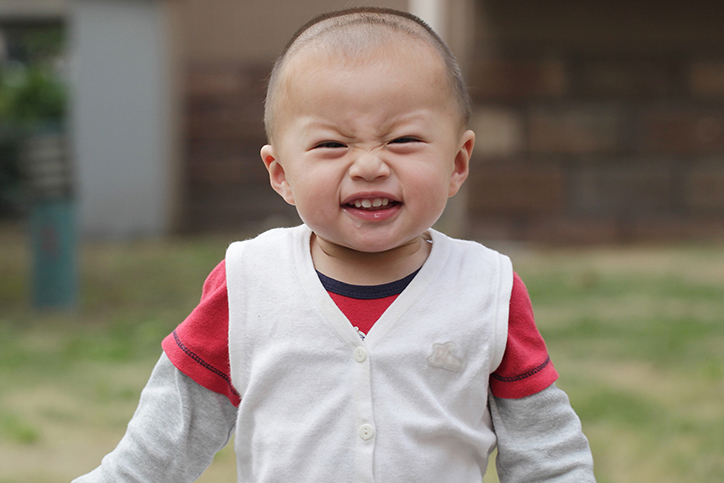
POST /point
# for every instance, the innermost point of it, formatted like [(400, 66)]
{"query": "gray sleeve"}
[(540, 439), (174, 434)]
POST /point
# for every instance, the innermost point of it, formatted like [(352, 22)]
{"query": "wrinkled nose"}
[(369, 166)]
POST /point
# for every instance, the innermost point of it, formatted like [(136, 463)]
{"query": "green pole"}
[(53, 233)]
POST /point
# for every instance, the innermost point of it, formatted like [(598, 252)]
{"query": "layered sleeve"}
[(174, 434), (188, 408), (199, 346), (540, 438), (526, 367)]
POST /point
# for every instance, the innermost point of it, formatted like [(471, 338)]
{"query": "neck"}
[(363, 268)]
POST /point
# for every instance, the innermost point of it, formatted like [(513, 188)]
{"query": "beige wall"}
[(250, 30)]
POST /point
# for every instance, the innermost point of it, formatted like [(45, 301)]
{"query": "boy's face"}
[(369, 148)]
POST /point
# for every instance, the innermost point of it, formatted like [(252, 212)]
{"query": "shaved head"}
[(352, 33)]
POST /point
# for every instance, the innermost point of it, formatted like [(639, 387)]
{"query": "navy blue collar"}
[(366, 292)]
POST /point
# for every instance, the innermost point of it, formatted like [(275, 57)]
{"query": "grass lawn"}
[(637, 334)]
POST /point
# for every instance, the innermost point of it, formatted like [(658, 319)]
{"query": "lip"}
[(376, 215)]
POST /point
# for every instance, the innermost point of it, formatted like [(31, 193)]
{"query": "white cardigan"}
[(409, 403)]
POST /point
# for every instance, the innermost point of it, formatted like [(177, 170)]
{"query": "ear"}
[(277, 175), (462, 162)]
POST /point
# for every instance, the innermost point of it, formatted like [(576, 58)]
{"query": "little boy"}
[(362, 345)]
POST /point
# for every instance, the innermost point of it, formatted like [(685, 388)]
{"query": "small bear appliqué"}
[(443, 355)]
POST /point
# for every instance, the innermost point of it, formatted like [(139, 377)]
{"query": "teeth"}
[(371, 203)]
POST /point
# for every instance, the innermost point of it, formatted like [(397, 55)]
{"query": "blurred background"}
[(129, 140)]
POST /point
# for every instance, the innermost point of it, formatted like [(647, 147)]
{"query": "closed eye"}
[(404, 140), (330, 145)]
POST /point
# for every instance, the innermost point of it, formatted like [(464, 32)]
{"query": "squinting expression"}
[(368, 149)]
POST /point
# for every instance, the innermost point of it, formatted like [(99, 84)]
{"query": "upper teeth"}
[(369, 203)]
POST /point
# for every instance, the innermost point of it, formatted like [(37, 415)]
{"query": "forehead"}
[(352, 53), (320, 64), (385, 79), (376, 92)]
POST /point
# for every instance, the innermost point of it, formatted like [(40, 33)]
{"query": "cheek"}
[(314, 190), (429, 200), (432, 183)]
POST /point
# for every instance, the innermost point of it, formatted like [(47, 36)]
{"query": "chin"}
[(366, 241), (382, 247), (369, 246)]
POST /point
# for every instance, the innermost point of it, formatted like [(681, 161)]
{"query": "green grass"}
[(636, 334), (70, 380)]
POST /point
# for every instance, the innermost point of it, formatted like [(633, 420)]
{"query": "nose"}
[(368, 166)]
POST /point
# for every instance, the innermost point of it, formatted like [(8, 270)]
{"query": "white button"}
[(360, 354), (366, 432)]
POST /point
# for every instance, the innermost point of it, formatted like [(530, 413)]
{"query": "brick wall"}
[(595, 123), (225, 185), (596, 139)]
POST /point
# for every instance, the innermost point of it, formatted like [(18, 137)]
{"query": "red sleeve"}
[(526, 367), (199, 347)]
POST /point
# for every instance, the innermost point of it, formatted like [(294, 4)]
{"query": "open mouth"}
[(372, 204)]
